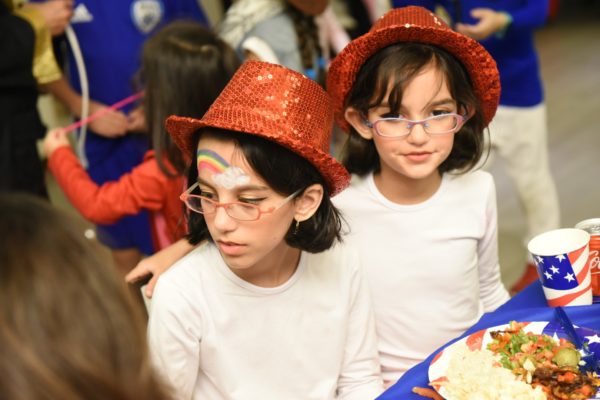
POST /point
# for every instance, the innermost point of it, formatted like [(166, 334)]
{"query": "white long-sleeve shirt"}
[(432, 267), (213, 335)]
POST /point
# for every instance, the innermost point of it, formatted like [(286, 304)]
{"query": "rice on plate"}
[(477, 375)]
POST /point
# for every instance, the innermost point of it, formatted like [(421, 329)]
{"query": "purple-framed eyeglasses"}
[(400, 127)]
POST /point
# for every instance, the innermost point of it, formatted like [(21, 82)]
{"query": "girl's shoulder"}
[(359, 186), (475, 180), (472, 189), (339, 261)]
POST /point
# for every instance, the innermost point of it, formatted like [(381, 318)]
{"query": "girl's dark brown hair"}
[(400, 63), (184, 68), (68, 327), (285, 172)]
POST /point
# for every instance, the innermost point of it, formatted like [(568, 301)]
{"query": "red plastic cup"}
[(592, 226)]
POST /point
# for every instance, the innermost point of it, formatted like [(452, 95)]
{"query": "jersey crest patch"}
[(146, 14)]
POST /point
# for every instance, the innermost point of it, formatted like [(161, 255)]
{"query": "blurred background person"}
[(285, 32), (69, 330), (27, 63), (180, 58), (111, 58)]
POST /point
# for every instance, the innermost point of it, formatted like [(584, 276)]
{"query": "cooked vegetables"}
[(542, 361), (567, 357)]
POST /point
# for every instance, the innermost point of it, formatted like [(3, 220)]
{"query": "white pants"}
[(519, 136)]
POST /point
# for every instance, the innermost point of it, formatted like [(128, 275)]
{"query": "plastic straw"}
[(101, 112)]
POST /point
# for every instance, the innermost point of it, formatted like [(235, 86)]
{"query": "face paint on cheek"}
[(223, 174)]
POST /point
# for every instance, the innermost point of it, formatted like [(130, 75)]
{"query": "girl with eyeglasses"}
[(270, 304), (414, 97)]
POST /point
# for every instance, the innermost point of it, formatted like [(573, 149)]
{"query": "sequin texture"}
[(275, 103), (413, 24)]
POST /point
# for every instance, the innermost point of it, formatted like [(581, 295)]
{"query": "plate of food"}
[(518, 360)]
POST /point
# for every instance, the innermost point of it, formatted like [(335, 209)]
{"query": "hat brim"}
[(182, 131), (476, 60)]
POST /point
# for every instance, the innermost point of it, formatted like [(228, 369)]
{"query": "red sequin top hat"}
[(418, 25), (277, 104)]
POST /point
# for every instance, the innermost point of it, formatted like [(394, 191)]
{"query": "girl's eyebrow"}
[(238, 188), (442, 102)]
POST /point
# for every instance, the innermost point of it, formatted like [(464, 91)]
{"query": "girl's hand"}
[(158, 263), (53, 140), (489, 22), (112, 124), (137, 120)]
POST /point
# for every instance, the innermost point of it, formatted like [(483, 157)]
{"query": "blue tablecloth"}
[(529, 305)]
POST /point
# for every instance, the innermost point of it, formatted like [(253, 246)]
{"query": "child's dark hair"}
[(285, 172), (184, 68), (401, 63)]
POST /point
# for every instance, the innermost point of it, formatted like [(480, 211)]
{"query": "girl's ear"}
[(308, 202), (358, 122), (468, 111)]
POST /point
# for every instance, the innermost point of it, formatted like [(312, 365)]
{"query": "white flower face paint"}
[(224, 175)]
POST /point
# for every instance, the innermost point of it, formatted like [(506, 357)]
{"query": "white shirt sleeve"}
[(174, 334), (360, 377), (491, 290)]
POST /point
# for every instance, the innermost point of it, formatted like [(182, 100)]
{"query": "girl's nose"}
[(417, 135), (223, 222)]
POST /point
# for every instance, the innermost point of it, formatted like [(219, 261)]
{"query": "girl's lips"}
[(418, 157), (230, 248)]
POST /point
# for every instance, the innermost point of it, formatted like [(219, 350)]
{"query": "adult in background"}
[(27, 63)]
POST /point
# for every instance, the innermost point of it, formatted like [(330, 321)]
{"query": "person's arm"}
[(532, 14), (156, 264), (334, 32), (112, 124), (142, 188), (489, 22), (360, 377), (56, 14), (174, 335), (491, 290)]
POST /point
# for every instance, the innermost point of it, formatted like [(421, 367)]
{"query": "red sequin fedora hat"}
[(418, 25), (275, 103)]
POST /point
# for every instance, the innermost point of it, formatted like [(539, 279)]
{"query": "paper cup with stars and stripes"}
[(561, 257)]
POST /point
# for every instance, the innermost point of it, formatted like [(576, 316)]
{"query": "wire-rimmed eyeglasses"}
[(399, 127), (236, 210)]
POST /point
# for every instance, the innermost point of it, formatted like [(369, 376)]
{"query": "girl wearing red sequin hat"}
[(414, 97), (269, 306)]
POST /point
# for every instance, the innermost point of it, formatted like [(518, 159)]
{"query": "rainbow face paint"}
[(224, 175)]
